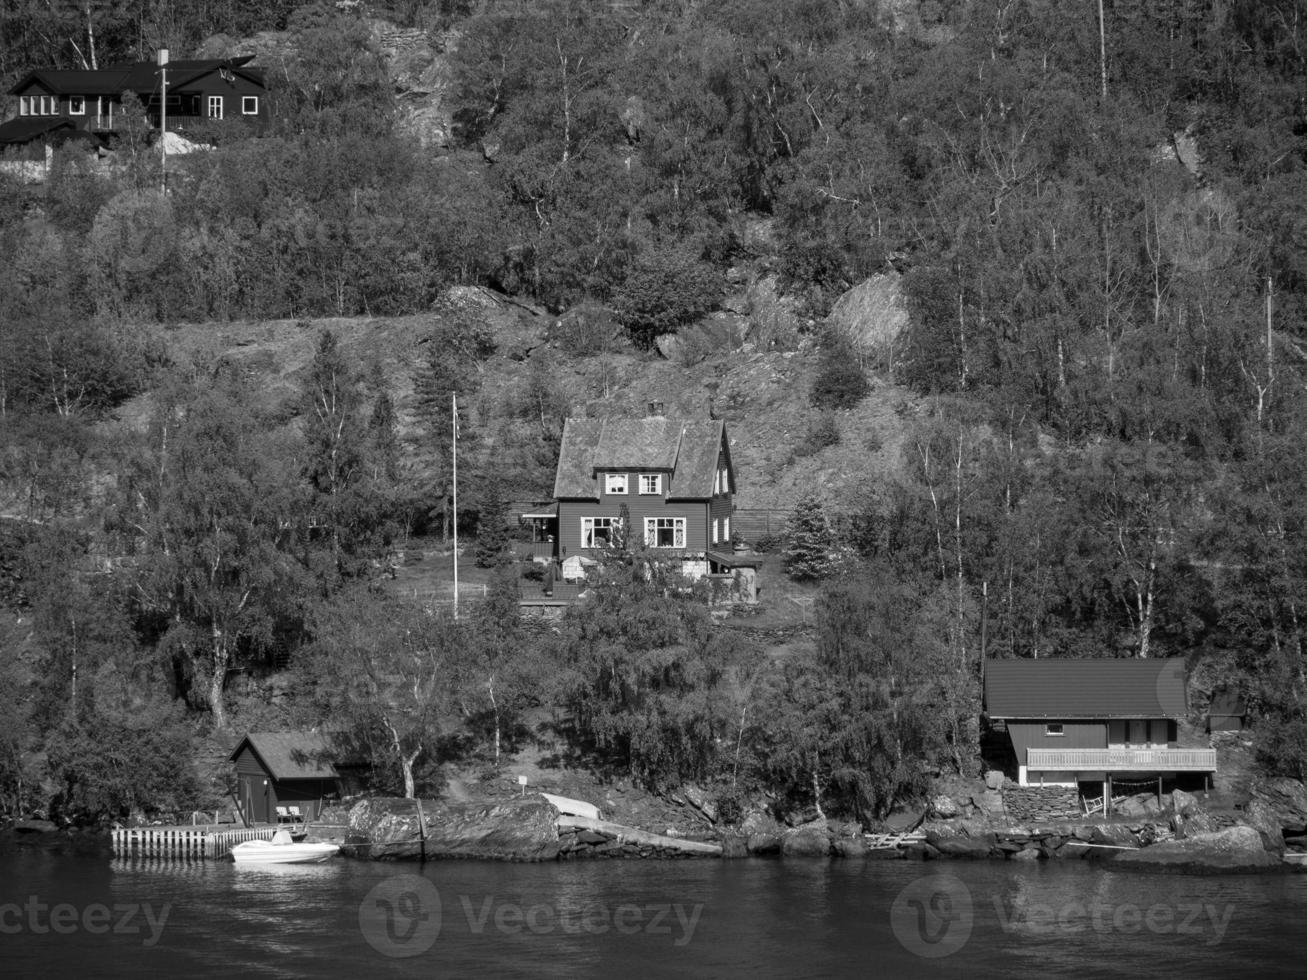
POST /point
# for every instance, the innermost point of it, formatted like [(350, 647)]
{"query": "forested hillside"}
[(1084, 442)]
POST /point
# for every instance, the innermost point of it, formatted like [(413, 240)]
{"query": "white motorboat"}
[(281, 850)]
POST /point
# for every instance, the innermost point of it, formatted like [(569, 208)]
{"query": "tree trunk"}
[(218, 680)]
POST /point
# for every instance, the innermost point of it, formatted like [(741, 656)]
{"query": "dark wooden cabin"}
[(284, 770)]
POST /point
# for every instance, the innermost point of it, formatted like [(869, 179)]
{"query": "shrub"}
[(840, 382), (665, 288), (822, 431)]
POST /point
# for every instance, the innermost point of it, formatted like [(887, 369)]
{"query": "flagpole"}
[(453, 418)]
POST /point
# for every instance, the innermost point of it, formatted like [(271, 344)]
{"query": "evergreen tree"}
[(810, 552)]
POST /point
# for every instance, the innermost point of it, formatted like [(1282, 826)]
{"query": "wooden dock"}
[(879, 841), (199, 842)]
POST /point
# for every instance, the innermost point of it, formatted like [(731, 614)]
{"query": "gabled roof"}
[(1108, 688), (687, 451), (291, 755), (27, 128), (139, 77)]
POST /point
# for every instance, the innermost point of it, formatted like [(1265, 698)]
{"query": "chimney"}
[(656, 410)]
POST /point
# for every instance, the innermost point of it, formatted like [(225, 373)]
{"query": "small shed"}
[(285, 770), (1226, 713)]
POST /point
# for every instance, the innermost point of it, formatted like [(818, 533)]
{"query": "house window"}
[(49, 105), (715, 524), (104, 112), (726, 529), (76, 105), (24, 106), (664, 532), (249, 105), (651, 483), (723, 482), (215, 107), (615, 483), (599, 532), (1054, 728)]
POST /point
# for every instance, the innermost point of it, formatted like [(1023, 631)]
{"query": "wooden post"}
[(1159, 789), (422, 827), (1107, 797)]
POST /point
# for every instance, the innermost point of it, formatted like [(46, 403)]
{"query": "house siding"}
[(570, 513), (1075, 735)]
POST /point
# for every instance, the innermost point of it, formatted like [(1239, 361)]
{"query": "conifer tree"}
[(810, 547)]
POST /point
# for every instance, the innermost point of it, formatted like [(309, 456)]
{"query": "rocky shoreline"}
[(1176, 835)]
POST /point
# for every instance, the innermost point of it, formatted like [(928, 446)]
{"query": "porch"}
[(1121, 759)]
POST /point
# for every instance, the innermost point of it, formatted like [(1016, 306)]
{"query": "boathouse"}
[(1093, 721), (285, 775)]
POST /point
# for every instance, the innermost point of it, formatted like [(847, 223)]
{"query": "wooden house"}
[(283, 775), (91, 100), (1073, 721), (654, 483)]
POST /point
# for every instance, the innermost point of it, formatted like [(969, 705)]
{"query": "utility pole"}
[(453, 415), (163, 120)]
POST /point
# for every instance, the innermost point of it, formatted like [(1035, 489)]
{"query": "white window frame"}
[(1054, 729), (726, 530), (249, 105), (24, 105), (589, 525), (51, 105), (76, 105), (651, 483), (652, 525), (616, 483), (212, 103)]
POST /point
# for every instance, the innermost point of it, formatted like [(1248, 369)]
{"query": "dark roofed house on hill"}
[(280, 771), (655, 483), (1073, 721), (89, 101)]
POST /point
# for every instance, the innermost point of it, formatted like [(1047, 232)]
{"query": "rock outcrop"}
[(387, 828), (1232, 849)]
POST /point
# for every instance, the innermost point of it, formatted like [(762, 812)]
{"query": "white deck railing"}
[(1122, 760)]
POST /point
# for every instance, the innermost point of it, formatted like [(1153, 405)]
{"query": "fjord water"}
[(66, 915)]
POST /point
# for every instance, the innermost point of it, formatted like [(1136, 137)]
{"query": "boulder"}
[(1287, 798), (921, 851), (1194, 822), (944, 806), (990, 801), (523, 829), (1028, 854), (1261, 816), (735, 845), (962, 847), (1183, 803), (1073, 849), (1232, 849), (994, 779), (1140, 805), (765, 842), (899, 821), (849, 847), (1114, 834), (810, 840)]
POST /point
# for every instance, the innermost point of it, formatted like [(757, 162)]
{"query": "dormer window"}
[(651, 483), (1054, 728), (615, 483)]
